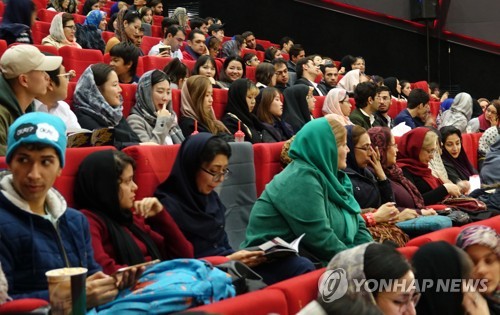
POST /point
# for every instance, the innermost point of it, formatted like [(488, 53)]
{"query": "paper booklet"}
[(86, 138), (278, 248)]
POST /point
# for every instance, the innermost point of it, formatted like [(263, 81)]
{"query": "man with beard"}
[(384, 103), (281, 74), (330, 76)]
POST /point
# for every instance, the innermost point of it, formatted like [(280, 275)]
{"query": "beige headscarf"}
[(57, 31), (350, 80), (332, 105)]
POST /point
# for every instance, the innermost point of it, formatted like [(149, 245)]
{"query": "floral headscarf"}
[(479, 235), (89, 99)]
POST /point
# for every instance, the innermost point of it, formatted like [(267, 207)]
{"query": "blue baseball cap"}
[(37, 127)]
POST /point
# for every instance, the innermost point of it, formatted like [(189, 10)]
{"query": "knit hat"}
[(37, 127)]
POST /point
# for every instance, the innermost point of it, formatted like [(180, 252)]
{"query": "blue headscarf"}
[(446, 104), (94, 18)]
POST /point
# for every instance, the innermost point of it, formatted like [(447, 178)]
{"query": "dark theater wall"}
[(387, 50)]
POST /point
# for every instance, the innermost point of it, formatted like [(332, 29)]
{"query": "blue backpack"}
[(171, 286)]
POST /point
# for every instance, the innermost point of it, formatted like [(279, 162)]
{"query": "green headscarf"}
[(315, 145)]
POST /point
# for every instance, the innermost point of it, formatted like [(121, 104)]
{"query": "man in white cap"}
[(23, 78)]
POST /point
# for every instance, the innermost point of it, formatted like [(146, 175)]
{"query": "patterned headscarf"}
[(94, 18), (145, 108), (490, 136), (479, 235), (89, 99)]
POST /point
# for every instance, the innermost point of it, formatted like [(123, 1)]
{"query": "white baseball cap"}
[(21, 59)]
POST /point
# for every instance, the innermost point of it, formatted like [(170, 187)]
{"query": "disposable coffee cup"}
[(67, 291)]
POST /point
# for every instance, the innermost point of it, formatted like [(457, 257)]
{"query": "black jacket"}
[(369, 192)]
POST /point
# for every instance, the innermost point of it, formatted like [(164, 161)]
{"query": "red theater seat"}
[(267, 163), (176, 101), (156, 31), (71, 91), (80, 19), (260, 55), (128, 94), (434, 108), (3, 46), (220, 102), (420, 85), (45, 15), (408, 251), (470, 144), (48, 49), (106, 35), (22, 306), (318, 107), (449, 235), (157, 19), (147, 43), (79, 59), (153, 165), (39, 30), (394, 109), (250, 73), (154, 62)]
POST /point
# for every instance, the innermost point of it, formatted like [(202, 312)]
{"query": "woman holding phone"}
[(125, 231)]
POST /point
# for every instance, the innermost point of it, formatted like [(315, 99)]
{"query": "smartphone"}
[(167, 48), (146, 264)]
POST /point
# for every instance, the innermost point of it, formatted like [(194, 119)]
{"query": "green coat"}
[(302, 200), (358, 118)]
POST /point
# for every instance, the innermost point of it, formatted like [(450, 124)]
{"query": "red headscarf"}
[(409, 147)]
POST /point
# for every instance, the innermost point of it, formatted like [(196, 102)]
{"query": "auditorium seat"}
[(260, 55), (156, 31), (128, 94), (154, 62), (106, 35), (248, 51), (250, 73), (434, 105), (176, 101), (3, 46), (39, 30), (45, 15), (220, 102), (394, 109), (79, 59), (267, 163), (71, 91), (80, 19), (157, 19), (48, 49), (470, 145), (449, 235), (285, 56), (318, 106), (148, 42), (420, 85), (153, 165)]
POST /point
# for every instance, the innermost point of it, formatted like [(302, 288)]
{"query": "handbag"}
[(466, 203), (457, 217), (244, 279)]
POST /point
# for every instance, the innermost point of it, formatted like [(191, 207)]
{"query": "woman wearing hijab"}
[(482, 244), (393, 84), (16, 23), (441, 262), (455, 159), (459, 113), (350, 80), (68, 6), (376, 263), (240, 104), (490, 172), (99, 104), (489, 137), (296, 108), (124, 231), (128, 24), (188, 195), (312, 195), (416, 148), (445, 105), (152, 118), (269, 112), (89, 35), (490, 118), (337, 103), (62, 32)]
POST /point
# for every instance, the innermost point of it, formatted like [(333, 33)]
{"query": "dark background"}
[(388, 51)]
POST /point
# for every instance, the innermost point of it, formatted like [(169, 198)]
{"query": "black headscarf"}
[(192, 210), (96, 189), (438, 260), (295, 108), (391, 83), (237, 104), (476, 109), (351, 156), (462, 163)]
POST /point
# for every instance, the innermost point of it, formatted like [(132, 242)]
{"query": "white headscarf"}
[(57, 31)]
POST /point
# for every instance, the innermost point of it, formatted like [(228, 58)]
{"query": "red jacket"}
[(161, 228)]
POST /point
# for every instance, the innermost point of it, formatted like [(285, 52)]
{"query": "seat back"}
[(39, 30), (176, 101), (79, 59), (154, 62), (470, 144), (220, 102), (80, 19), (48, 49), (449, 235), (128, 94), (71, 92), (106, 35), (267, 163), (318, 107), (3, 46), (250, 73), (238, 193), (153, 165), (45, 15), (394, 109), (147, 43)]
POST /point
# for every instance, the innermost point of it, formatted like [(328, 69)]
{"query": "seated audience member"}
[(124, 60), (272, 53), (23, 79), (488, 119), (306, 74), (138, 40), (441, 262), (490, 173), (269, 112), (177, 73), (337, 104), (351, 79), (98, 104), (489, 137), (482, 244), (206, 66), (329, 215), (366, 106), (195, 46), (394, 87), (90, 5), (146, 14), (17, 20), (436, 93), (296, 53), (265, 75), (89, 35), (443, 107), (180, 14), (62, 32), (417, 112), (358, 63), (483, 102), (372, 262), (286, 43), (62, 6), (124, 231), (53, 101), (416, 148), (251, 59), (330, 76), (197, 114), (436, 163), (214, 46), (152, 118), (455, 159), (459, 113), (188, 195), (112, 25), (251, 41), (198, 23), (128, 24), (156, 5), (345, 64), (31, 245), (167, 22), (298, 100), (384, 101), (239, 108), (405, 89), (217, 31), (233, 47), (233, 69), (174, 37), (281, 71)]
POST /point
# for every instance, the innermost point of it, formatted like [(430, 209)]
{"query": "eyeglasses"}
[(431, 151), (71, 27), (218, 176), (366, 148)]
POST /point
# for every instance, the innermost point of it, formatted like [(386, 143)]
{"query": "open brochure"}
[(278, 248), (87, 138)]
